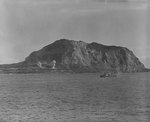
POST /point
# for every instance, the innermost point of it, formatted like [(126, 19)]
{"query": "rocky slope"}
[(79, 56)]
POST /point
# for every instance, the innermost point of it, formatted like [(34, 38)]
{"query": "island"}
[(77, 56)]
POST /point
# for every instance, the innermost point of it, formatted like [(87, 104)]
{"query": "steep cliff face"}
[(83, 57)]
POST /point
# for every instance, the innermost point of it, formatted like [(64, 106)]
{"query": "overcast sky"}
[(28, 25)]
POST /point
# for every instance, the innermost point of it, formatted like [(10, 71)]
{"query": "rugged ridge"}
[(79, 56)]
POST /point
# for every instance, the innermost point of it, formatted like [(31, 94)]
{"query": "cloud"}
[(132, 4), (82, 6), (121, 1), (36, 2), (145, 57), (107, 1)]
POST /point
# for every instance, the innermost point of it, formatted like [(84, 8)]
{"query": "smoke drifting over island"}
[(28, 25)]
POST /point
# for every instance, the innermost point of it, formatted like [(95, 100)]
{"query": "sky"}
[(29, 25)]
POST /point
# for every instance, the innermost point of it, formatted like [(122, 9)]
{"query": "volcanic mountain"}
[(79, 56)]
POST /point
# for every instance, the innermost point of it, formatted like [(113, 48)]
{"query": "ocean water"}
[(66, 97)]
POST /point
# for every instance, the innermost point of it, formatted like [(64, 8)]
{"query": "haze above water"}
[(64, 97)]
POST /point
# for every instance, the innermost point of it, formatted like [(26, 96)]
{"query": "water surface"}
[(65, 97)]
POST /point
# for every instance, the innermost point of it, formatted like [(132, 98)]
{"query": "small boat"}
[(108, 74)]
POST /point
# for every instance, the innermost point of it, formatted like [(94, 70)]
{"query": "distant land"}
[(77, 56)]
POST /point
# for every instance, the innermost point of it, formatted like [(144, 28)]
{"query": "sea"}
[(74, 97)]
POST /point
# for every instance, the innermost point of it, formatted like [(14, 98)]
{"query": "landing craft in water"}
[(108, 74)]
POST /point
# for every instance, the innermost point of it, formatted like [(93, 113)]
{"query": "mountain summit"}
[(79, 56)]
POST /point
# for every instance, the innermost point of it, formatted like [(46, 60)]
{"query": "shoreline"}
[(42, 71)]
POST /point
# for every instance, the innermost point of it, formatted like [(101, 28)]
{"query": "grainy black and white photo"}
[(74, 61)]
